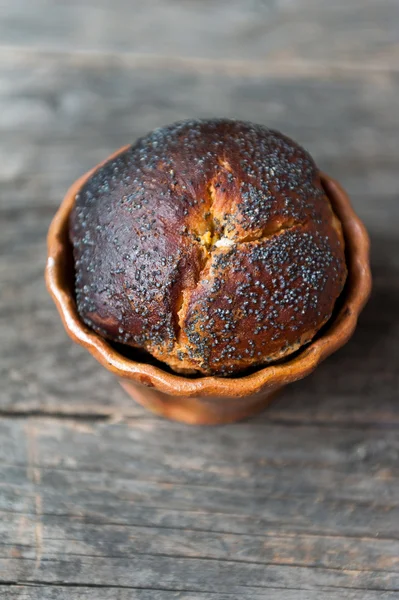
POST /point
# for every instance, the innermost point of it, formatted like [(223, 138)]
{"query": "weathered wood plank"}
[(191, 574), (55, 96), (295, 514), (228, 452), (67, 537), (62, 592), (352, 465), (358, 31), (128, 505)]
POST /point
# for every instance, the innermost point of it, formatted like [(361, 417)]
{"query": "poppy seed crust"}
[(209, 243)]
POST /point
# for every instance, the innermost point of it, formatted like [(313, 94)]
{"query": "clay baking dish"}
[(211, 400)]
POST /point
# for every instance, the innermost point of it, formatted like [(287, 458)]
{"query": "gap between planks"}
[(218, 559), (111, 416)]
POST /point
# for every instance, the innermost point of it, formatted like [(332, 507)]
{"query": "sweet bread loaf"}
[(211, 244)]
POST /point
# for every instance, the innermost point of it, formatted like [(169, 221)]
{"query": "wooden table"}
[(101, 500)]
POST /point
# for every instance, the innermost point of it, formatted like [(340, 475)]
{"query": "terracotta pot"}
[(211, 400)]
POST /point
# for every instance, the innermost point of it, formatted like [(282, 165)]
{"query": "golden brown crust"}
[(211, 244)]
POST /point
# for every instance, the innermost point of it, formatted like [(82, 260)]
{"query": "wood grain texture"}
[(60, 115), (148, 501), (100, 499), (363, 32)]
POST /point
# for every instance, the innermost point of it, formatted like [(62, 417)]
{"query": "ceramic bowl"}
[(211, 400)]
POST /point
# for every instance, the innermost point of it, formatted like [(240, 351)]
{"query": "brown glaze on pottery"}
[(211, 399)]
